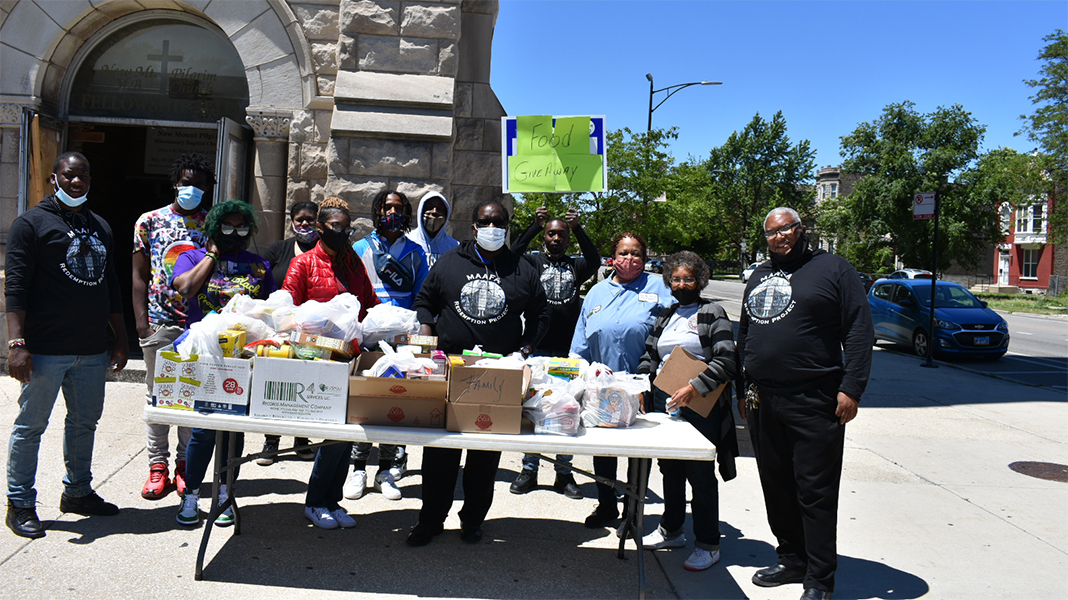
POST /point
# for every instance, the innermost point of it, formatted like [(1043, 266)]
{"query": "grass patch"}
[(1043, 305)]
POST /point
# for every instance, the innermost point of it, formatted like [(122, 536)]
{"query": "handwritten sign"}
[(547, 154)]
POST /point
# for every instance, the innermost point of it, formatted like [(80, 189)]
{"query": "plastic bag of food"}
[(611, 399), (337, 318), (397, 363), (554, 407), (385, 322), (203, 336)]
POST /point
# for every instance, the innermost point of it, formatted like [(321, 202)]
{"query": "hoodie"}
[(433, 246), (60, 271), (473, 302)]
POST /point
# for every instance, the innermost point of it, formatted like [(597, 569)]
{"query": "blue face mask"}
[(189, 197), (490, 238), (392, 222), (306, 234), (66, 199)]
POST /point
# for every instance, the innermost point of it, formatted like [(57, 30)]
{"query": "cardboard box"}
[(392, 387), (202, 383), (398, 411), (483, 418), (299, 390), (677, 371), (485, 385)]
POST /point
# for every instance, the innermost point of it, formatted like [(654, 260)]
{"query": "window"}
[(1029, 262), (1031, 218), (883, 292), (834, 190)]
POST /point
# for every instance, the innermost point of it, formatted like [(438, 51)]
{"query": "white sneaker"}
[(343, 519), (656, 541), (189, 511), (384, 483), (355, 485), (321, 517), (701, 559), (226, 519), (400, 465)]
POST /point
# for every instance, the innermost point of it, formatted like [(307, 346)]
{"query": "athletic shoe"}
[(88, 505), (271, 445), (179, 476), (189, 511), (301, 449), (159, 482), (355, 485), (321, 517), (526, 481), (225, 519), (343, 519), (656, 540), (400, 465), (385, 484), (701, 559)]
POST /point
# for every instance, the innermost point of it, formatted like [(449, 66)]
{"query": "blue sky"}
[(826, 65)]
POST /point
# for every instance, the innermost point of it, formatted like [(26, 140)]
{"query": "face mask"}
[(433, 223), (490, 238), (228, 244), (306, 235), (334, 240), (67, 200), (628, 267), (189, 197), (392, 223), (686, 296)]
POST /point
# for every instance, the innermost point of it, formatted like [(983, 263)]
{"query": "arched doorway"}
[(143, 92)]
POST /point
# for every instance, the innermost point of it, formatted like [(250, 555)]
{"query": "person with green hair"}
[(209, 277)]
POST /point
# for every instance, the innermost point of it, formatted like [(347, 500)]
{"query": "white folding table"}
[(654, 435)]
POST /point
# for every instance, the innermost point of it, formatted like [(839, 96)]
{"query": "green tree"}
[(1048, 125), (757, 169), (901, 153)]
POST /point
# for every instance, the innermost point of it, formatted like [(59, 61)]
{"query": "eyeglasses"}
[(683, 280), (227, 229), (337, 228), (784, 231), (498, 223)]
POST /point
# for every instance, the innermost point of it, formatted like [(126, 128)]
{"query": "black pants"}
[(328, 476), (798, 444), (440, 468), (705, 505)]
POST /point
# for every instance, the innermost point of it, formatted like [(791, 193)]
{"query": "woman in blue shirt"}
[(616, 317)]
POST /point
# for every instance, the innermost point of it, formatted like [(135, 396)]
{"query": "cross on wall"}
[(165, 59)]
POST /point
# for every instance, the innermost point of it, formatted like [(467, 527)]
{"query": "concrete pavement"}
[(929, 508)]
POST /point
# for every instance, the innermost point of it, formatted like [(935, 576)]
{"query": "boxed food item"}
[(202, 383), (678, 369), (320, 345), (483, 418), (426, 343), (487, 385), (232, 341), (299, 390), (167, 393)]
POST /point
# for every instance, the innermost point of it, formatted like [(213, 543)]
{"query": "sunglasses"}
[(227, 229), (783, 232), (337, 228), (498, 223)]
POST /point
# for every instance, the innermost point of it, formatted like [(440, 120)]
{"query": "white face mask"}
[(70, 201), (490, 238), (189, 197)]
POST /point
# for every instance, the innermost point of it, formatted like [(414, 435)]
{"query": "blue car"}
[(964, 326)]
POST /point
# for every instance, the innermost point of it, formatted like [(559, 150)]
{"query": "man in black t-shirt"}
[(62, 293)]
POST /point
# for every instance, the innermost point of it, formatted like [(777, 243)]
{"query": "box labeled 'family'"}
[(488, 385)]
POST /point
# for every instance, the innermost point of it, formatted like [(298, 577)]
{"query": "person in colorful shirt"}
[(208, 278), (160, 237)]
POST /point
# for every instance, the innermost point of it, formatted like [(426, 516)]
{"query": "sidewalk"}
[(929, 508)]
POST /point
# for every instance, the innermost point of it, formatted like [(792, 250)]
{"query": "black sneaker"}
[(470, 534), (421, 535), (91, 505), (565, 484), (269, 445), (302, 450), (525, 482), (602, 517), (24, 522)]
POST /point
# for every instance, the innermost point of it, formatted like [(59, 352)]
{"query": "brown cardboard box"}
[(401, 412), (391, 387), (483, 418), (679, 368), (483, 385)]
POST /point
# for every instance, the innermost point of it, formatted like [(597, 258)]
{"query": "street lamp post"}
[(671, 91)]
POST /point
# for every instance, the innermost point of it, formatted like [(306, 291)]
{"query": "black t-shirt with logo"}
[(472, 302), (60, 270)]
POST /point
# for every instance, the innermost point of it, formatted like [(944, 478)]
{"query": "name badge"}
[(648, 297)]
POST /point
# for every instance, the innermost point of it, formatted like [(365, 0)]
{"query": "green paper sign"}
[(535, 135), (550, 158), (572, 135)]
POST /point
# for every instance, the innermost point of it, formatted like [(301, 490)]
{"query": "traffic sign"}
[(923, 206)]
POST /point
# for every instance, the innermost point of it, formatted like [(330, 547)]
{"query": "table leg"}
[(217, 478)]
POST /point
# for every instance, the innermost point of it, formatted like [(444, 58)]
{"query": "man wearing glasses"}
[(804, 341)]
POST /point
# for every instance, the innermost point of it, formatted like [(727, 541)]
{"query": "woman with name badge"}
[(209, 277), (616, 317)]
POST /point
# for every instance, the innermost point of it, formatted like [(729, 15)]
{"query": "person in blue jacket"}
[(616, 317), (396, 266)]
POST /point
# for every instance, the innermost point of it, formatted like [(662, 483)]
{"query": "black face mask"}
[(334, 240), (686, 296), (228, 244)]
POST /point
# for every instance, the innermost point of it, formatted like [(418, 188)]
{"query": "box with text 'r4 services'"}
[(299, 390), (488, 385)]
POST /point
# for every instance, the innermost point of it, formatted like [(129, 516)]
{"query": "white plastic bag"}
[(402, 360), (554, 407), (203, 337), (611, 399), (386, 321), (337, 318)]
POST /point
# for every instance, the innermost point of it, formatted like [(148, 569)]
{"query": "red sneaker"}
[(179, 476), (158, 483)]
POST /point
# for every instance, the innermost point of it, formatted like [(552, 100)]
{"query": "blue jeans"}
[(81, 377), (328, 474), (199, 452), (531, 462)]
